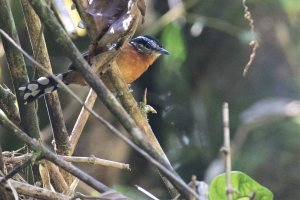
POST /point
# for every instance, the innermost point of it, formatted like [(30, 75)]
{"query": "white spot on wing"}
[(59, 76), (34, 93), (49, 89), (26, 96), (43, 80), (32, 87), (22, 88)]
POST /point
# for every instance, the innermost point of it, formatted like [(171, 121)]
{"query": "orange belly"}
[(133, 64)]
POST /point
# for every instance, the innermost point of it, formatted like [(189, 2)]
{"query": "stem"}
[(226, 150), (140, 119), (40, 52), (8, 105), (19, 76), (81, 120), (17, 70)]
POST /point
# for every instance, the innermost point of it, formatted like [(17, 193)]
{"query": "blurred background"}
[(209, 45)]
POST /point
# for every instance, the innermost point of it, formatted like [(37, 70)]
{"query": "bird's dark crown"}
[(148, 44)]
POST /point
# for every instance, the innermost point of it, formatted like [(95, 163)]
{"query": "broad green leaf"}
[(244, 186)]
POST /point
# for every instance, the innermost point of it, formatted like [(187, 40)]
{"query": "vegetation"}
[(244, 53)]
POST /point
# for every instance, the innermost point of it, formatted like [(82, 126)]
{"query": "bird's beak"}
[(164, 51)]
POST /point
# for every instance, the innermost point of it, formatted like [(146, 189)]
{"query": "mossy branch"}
[(98, 86), (17, 70), (41, 55)]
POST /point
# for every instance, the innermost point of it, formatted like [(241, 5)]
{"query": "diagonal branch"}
[(41, 55), (107, 97), (47, 154)]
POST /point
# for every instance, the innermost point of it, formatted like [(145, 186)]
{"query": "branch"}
[(131, 106), (60, 184), (92, 96), (107, 97), (44, 172), (81, 120), (96, 161), (17, 70), (8, 104), (36, 192), (2, 162), (10, 159), (226, 151), (44, 152), (40, 52)]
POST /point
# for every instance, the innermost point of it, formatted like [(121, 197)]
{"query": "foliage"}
[(244, 188)]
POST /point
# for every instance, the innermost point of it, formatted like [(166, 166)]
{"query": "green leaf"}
[(244, 187), (173, 41)]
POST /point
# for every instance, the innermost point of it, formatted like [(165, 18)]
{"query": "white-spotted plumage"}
[(43, 80), (22, 88), (32, 86), (34, 93), (49, 89), (26, 96), (59, 76)]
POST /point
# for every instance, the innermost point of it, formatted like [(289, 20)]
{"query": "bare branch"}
[(45, 176), (96, 161), (110, 101), (81, 120), (36, 146), (8, 104), (36, 192), (8, 159), (41, 55), (18, 70), (60, 184), (226, 151)]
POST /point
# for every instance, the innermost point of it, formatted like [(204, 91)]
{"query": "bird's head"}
[(148, 45)]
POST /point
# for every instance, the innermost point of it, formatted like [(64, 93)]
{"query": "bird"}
[(134, 59)]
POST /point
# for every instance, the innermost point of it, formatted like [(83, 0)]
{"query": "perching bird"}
[(133, 60)]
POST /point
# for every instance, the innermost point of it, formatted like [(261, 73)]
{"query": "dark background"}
[(209, 47)]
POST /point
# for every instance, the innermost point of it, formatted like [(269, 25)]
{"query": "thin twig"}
[(36, 192), (254, 42), (89, 160), (47, 154), (18, 70), (44, 172), (96, 161), (226, 150), (146, 192), (81, 120), (16, 170), (92, 96), (106, 96), (168, 173), (131, 106)]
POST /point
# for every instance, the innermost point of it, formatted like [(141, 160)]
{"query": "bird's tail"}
[(37, 88)]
